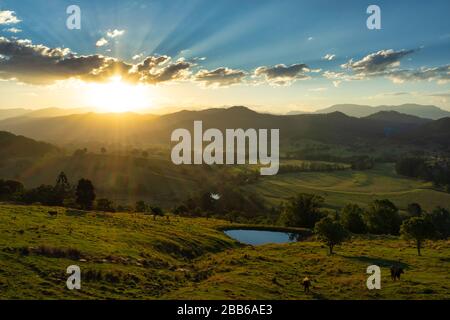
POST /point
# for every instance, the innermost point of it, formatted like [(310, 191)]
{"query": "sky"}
[(274, 56)]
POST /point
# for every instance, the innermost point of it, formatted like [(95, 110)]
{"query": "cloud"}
[(310, 38), (282, 74), (439, 74), (441, 95), (396, 94), (220, 77), (8, 17), (377, 62), (13, 30), (339, 77), (171, 72), (101, 42), (26, 62), (138, 56), (317, 89), (115, 33), (329, 57)]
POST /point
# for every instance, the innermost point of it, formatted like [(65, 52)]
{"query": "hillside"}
[(12, 146), (437, 131), (132, 256)]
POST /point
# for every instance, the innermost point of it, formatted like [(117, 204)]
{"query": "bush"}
[(105, 205), (141, 206)]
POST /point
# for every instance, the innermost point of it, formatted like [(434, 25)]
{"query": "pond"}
[(259, 237)]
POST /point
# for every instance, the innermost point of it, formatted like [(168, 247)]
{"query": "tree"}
[(352, 219), (10, 189), (414, 210), (85, 194), (418, 229), (62, 188), (105, 205), (383, 218), (303, 211), (141, 206), (330, 232), (440, 219), (157, 211)]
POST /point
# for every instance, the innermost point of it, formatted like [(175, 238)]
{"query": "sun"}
[(118, 96)]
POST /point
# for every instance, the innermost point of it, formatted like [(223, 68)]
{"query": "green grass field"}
[(131, 256), (360, 187)]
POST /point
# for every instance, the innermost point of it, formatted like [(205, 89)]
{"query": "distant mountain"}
[(397, 117), (141, 130), (12, 146), (40, 113), (422, 111), (11, 113)]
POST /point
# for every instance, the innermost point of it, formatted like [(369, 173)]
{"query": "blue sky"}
[(247, 35)]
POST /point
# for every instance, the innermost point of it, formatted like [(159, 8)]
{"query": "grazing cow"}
[(396, 272), (306, 284), (53, 213)]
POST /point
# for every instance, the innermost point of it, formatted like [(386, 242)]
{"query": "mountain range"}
[(355, 110), (142, 130)]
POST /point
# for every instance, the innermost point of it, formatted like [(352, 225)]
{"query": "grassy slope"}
[(190, 258), (361, 187)]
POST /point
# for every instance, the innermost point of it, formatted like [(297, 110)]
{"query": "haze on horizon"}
[(158, 56)]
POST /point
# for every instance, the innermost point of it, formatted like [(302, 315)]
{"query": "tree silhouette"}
[(85, 194), (62, 189)]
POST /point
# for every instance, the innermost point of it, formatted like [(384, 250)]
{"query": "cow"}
[(396, 272), (53, 213)]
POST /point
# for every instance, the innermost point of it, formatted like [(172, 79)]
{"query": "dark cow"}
[(53, 213), (396, 272)]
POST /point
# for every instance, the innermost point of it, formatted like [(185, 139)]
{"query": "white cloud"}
[(13, 30), (138, 56), (115, 33), (329, 57), (101, 42), (8, 17)]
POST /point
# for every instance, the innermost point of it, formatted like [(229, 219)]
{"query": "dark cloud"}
[(220, 77), (282, 74), (439, 74), (377, 62), (172, 72), (37, 64)]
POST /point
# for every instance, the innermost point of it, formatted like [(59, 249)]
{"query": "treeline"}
[(361, 162), (381, 217), (63, 194), (227, 202), (434, 170)]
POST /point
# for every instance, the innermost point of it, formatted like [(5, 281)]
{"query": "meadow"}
[(133, 256), (361, 187)]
